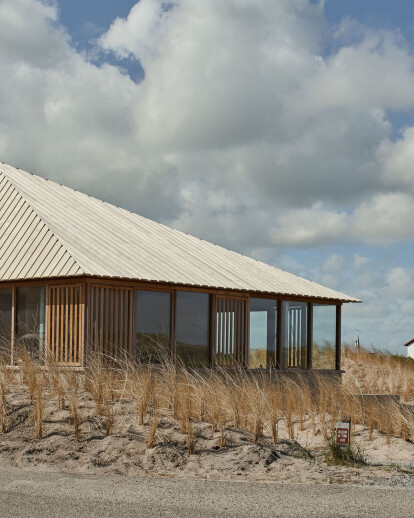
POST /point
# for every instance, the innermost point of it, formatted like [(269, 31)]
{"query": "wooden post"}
[(279, 334), (338, 338), (246, 351), (310, 335), (213, 331)]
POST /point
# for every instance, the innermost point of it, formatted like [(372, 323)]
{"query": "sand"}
[(125, 451)]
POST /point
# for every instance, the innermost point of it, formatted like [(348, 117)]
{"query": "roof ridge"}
[(41, 218)]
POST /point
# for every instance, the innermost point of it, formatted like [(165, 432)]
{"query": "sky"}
[(283, 129)]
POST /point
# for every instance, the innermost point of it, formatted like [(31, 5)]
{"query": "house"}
[(410, 348), (78, 275)]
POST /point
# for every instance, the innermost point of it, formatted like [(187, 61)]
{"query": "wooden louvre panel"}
[(297, 337), (111, 317), (65, 323), (231, 331)]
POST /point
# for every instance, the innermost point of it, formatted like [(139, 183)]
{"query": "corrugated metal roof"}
[(47, 230)]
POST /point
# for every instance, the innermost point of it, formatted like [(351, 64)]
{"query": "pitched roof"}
[(48, 230)]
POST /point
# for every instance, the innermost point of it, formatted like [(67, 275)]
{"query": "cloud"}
[(242, 130)]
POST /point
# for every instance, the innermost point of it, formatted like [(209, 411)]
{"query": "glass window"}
[(263, 322), (324, 336), (5, 323), (153, 325), (295, 334), (192, 328), (30, 330)]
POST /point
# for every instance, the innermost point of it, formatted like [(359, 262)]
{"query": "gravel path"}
[(40, 494)]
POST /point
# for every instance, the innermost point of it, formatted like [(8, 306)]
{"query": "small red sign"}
[(342, 436)]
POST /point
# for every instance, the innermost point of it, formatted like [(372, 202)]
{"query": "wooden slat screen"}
[(111, 320), (231, 332), (297, 336), (65, 321)]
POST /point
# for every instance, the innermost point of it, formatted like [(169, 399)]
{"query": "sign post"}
[(343, 432)]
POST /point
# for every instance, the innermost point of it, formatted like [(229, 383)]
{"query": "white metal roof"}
[(47, 230)]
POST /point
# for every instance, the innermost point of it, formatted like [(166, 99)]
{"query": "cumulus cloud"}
[(241, 131), (244, 130)]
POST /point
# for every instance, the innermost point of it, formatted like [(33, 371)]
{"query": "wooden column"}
[(271, 339), (213, 330), (338, 337), (310, 336), (279, 334)]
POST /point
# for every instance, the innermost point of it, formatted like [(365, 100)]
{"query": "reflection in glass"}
[(192, 328), (5, 323), (30, 329), (263, 322), (153, 325), (324, 336), (294, 334)]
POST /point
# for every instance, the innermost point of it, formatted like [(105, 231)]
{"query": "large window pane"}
[(192, 327), (153, 325), (263, 322), (295, 334), (30, 331), (5, 323), (324, 336)]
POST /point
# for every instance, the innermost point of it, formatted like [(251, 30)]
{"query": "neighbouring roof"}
[(410, 342), (48, 230)]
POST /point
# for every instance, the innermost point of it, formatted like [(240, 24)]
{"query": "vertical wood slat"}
[(219, 358), (111, 345), (62, 327), (65, 324), (231, 329), (112, 320), (91, 328), (72, 322), (100, 320), (115, 328), (83, 324), (56, 354), (13, 326), (121, 318), (130, 294), (77, 318)]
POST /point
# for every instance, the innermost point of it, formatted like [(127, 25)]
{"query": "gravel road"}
[(38, 494)]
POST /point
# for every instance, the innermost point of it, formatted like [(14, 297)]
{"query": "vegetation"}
[(258, 402)]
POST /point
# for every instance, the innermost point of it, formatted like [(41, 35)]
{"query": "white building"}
[(410, 348)]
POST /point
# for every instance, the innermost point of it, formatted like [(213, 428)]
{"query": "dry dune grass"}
[(215, 402), (378, 372)]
